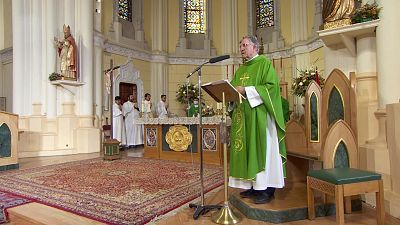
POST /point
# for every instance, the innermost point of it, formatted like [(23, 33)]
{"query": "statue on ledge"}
[(67, 51), (336, 13)]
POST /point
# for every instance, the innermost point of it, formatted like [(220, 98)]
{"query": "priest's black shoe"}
[(248, 193), (261, 198)]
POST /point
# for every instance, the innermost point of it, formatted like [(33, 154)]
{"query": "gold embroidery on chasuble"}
[(238, 143), (178, 138)]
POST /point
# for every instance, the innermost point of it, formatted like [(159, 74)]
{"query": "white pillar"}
[(367, 98), (51, 32), (86, 54), (18, 56), (98, 78), (36, 62), (388, 46), (159, 81), (159, 26)]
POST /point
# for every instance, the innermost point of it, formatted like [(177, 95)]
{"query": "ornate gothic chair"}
[(339, 176)]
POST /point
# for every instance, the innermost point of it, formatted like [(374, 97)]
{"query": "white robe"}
[(272, 176), (117, 122), (134, 132), (161, 110)]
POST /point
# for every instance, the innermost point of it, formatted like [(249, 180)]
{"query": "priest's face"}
[(248, 49)]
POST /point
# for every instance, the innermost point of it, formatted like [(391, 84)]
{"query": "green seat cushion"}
[(344, 175)]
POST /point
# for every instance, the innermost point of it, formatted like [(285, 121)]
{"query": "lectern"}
[(223, 91)]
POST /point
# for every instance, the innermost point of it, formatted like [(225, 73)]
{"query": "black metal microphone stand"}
[(201, 208)]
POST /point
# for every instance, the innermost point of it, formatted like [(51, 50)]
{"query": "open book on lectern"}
[(216, 88)]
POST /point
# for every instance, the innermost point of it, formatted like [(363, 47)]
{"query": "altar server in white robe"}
[(118, 122), (134, 132), (162, 107)]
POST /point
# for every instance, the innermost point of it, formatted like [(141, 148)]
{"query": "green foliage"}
[(55, 76), (365, 13), (185, 92), (300, 83)]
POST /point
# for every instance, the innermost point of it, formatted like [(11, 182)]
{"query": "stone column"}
[(98, 78), (36, 60), (388, 45), (86, 55), (18, 57), (51, 32), (158, 69), (367, 98)]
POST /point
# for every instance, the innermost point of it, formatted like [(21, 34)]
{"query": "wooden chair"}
[(339, 176)]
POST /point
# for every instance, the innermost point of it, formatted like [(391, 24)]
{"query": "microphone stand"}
[(201, 208)]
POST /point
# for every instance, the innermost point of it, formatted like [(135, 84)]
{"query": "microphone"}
[(219, 58)]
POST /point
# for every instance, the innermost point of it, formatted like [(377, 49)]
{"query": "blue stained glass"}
[(264, 13)]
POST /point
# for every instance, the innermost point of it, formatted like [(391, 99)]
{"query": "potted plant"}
[(365, 13), (55, 76)]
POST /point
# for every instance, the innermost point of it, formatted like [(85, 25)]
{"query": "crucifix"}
[(111, 146)]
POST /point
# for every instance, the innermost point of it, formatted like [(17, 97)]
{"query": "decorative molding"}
[(297, 49), (300, 48), (98, 39), (6, 55)]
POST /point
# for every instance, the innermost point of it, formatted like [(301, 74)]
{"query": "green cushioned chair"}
[(340, 178)]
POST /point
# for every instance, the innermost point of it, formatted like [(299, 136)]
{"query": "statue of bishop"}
[(67, 51)]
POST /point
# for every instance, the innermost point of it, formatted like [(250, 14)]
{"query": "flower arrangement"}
[(55, 76), (365, 13), (185, 92), (207, 111), (300, 83)]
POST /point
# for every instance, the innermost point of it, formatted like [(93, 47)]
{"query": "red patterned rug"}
[(126, 191)]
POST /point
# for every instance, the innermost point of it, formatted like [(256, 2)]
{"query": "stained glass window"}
[(125, 9), (264, 13), (194, 15)]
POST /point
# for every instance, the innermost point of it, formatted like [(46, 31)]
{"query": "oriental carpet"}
[(125, 191), (7, 201)]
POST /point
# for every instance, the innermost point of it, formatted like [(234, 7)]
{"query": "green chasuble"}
[(249, 125)]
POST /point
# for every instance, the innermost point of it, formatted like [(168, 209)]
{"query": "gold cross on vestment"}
[(244, 78)]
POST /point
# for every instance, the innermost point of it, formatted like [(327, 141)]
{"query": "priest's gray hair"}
[(253, 40)]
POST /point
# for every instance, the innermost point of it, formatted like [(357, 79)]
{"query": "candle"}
[(226, 71), (219, 105), (142, 106)]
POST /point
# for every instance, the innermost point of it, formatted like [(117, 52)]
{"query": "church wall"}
[(243, 20), (5, 24), (147, 21), (286, 26), (6, 83), (107, 15), (310, 17), (173, 25), (217, 36)]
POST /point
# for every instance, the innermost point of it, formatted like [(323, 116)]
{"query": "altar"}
[(178, 138)]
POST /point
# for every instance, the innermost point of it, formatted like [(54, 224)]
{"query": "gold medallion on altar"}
[(178, 138)]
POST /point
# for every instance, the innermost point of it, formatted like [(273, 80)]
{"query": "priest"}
[(257, 152), (134, 132), (117, 119)]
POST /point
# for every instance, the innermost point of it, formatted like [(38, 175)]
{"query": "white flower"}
[(301, 83)]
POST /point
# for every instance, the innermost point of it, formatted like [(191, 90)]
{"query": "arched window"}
[(125, 10), (264, 13), (194, 15)]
